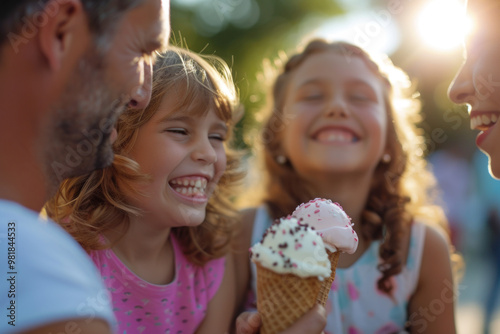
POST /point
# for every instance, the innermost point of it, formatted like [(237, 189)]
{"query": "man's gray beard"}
[(76, 138)]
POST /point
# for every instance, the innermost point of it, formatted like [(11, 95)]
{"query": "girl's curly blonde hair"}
[(400, 189), (90, 205)]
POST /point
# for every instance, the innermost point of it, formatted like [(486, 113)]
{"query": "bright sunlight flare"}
[(442, 24)]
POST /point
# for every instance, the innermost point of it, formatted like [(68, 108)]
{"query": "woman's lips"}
[(482, 136), (483, 121)]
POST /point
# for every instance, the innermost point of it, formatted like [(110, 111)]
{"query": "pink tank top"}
[(142, 307)]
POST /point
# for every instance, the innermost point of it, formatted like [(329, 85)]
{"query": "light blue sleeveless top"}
[(355, 305)]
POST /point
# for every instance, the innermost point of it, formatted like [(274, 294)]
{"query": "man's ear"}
[(66, 21)]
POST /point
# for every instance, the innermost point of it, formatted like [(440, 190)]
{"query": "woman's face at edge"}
[(477, 83)]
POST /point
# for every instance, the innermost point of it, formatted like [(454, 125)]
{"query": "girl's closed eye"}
[(313, 97), (218, 132), (310, 94), (218, 136), (177, 131), (360, 97)]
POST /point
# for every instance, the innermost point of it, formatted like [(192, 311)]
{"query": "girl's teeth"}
[(335, 136), (190, 186)]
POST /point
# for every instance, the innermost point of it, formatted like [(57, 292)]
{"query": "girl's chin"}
[(192, 218)]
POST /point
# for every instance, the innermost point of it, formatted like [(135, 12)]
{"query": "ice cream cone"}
[(283, 298), (327, 283), (291, 263), (335, 228)]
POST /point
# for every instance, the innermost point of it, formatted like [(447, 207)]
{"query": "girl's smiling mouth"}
[(339, 135), (190, 186)]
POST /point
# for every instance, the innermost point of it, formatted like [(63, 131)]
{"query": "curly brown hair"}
[(400, 188), (90, 205)]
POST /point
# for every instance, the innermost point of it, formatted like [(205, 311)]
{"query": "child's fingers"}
[(248, 323), (254, 320), (313, 322)]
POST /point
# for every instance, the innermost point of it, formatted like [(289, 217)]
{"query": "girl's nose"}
[(204, 152), (336, 108)]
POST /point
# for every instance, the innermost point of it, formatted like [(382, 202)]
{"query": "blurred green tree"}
[(244, 33)]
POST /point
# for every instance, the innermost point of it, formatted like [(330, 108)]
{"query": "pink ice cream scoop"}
[(331, 222)]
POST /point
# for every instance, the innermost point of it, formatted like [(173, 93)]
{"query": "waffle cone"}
[(327, 283), (283, 298)]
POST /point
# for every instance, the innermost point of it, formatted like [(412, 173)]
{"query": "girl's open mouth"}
[(192, 186)]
